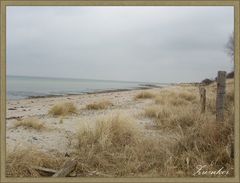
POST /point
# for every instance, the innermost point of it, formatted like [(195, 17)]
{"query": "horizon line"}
[(52, 77)]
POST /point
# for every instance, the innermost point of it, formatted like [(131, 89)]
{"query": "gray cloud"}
[(162, 44)]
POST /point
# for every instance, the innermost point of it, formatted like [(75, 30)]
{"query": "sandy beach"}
[(58, 135)]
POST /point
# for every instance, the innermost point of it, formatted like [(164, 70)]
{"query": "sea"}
[(22, 87)]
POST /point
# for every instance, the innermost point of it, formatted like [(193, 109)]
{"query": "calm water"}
[(19, 87)]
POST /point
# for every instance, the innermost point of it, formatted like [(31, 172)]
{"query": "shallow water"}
[(20, 87)]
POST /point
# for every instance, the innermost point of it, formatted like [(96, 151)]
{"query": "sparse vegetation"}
[(30, 122), (103, 104), (63, 109)]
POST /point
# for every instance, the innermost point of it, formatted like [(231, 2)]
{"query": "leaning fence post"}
[(203, 99), (221, 88)]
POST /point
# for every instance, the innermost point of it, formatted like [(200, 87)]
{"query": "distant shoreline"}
[(97, 92), (29, 87), (141, 87)]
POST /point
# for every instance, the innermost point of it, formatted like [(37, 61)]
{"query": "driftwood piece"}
[(221, 89), (67, 168), (12, 109), (44, 170), (203, 99)]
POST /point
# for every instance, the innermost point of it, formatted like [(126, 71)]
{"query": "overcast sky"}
[(158, 44)]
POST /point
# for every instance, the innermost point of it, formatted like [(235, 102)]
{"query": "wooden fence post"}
[(221, 89), (203, 99)]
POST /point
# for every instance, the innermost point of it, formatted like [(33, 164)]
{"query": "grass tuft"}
[(145, 95), (103, 104), (63, 109), (115, 147), (30, 122), (110, 130)]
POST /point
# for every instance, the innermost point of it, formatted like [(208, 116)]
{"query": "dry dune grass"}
[(173, 100), (157, 111), (164, 96), (202, 140), (103, 104), (186, 95), (145, 95), (62, 109), (177, 97), (30, 122), (109, 130), (20, 162), (115, 147), (179, 103), (206, 143), (169, 116)]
